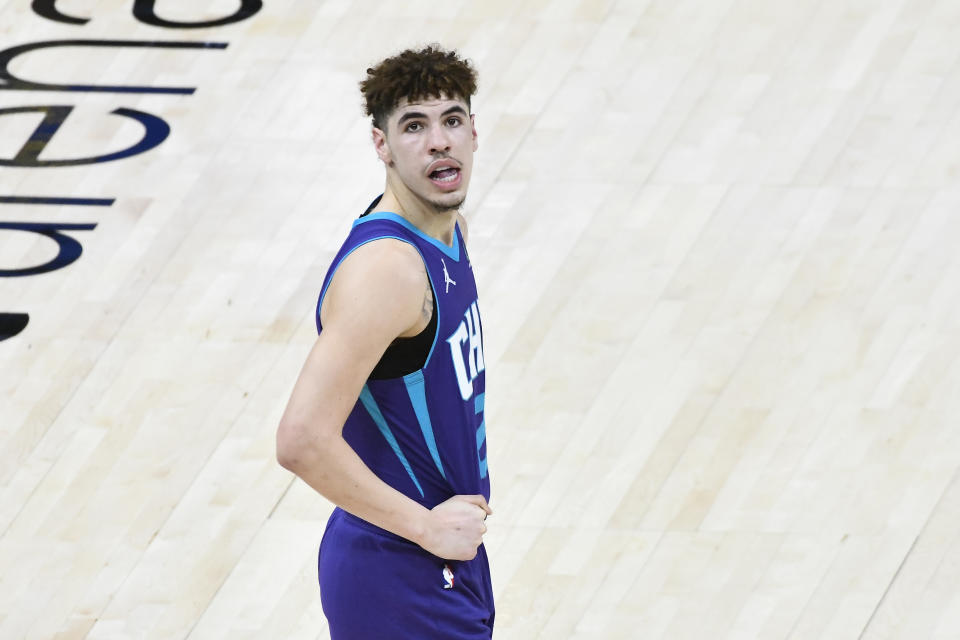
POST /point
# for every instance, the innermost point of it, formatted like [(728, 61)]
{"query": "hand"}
[(454, 529)]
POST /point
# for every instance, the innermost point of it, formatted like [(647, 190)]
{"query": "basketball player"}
[(387, 417)]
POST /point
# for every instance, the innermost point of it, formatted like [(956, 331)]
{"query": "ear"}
[(382, 146), (473, 126)]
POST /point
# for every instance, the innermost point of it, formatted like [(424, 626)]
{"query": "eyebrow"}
[(410, 115)]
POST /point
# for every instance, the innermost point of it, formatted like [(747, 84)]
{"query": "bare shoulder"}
[(463, 225), (377, 288)]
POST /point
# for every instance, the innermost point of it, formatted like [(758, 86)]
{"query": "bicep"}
[(328, 386)]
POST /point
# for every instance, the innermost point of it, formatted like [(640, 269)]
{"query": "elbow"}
[(295, 451), (286, 454), (286, 457)]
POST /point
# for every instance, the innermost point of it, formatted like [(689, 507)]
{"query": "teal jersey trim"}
[(371, 406), (451, 252), (416, 389)]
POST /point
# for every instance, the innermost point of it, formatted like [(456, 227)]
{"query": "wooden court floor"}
[(716, 246)]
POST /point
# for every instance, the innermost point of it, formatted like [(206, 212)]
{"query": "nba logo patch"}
[(447, 576)]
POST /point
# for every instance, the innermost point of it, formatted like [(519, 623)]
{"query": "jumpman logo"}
[(446, 277)]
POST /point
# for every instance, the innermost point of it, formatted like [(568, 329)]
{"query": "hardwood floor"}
[(715, 244)]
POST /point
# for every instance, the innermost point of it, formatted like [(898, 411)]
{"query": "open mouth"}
[(445, 175)]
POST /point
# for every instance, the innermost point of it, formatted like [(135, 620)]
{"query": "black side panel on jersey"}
[(406, 355)]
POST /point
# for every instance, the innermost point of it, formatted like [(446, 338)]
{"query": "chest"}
[(459, 344)]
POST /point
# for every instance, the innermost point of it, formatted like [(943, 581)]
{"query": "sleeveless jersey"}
[(424, 433)]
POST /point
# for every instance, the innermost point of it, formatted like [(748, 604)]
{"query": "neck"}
[(436, 223)]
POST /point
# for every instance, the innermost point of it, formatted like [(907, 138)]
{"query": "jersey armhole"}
[(435, 319)]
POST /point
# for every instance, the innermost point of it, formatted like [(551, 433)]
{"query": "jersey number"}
[(481, 435)]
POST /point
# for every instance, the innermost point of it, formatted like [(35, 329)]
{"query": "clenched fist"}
[(454, 529)]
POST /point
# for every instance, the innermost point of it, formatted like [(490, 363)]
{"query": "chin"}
[(447, 202)]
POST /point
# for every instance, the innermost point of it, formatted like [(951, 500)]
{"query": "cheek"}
[(407, 155)]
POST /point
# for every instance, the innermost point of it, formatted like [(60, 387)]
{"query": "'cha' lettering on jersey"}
[(468, 363)]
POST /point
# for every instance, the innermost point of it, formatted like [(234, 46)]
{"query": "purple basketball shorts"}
[(375, 585)]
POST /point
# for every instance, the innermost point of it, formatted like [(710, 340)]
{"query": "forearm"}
[(335, 471)]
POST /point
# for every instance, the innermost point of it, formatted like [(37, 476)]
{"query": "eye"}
[(413, 127), (453, 121)]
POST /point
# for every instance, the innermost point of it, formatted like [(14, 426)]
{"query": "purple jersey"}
[(424, 433)]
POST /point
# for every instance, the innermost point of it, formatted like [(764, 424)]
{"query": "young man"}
[(386, 419)]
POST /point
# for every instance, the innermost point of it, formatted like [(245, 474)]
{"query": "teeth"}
[(450, 171)]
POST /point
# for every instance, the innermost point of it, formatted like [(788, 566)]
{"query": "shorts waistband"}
[(372, 528)]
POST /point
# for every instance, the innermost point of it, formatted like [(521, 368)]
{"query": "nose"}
[(439, 140)]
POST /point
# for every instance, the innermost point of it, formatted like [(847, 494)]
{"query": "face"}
[(428, 150)]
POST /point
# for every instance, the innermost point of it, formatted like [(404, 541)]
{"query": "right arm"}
[(375, 296)]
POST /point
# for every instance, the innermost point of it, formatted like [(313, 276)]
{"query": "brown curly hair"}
[(431, 72)]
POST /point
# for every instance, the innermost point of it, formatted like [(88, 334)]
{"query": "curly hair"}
[(431, 72)]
